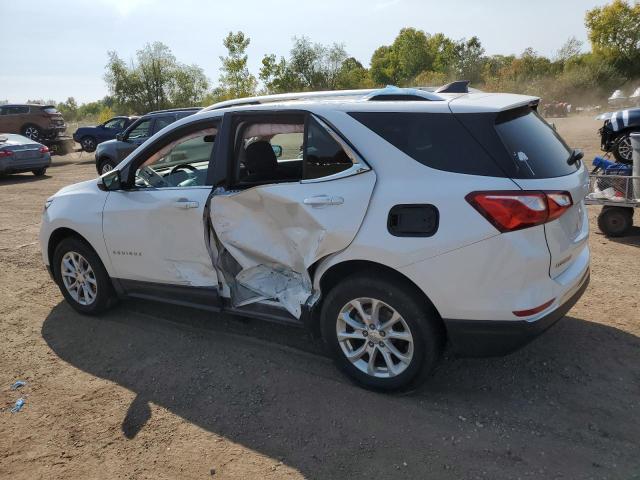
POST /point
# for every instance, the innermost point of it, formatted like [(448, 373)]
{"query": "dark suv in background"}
[(112, 152), (37, 122), (90, 137)]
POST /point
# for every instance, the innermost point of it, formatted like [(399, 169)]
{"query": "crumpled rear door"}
[(268, 236)]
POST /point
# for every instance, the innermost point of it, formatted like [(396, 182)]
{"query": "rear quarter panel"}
[(402, 180)]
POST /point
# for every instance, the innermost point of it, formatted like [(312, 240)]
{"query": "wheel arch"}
[(60, 234), (330, 277)]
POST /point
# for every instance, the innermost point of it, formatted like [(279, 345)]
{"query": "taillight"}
[(44, 149), (515, 210), (5, 153)]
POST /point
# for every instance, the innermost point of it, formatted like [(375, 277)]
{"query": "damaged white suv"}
[(387, 221)]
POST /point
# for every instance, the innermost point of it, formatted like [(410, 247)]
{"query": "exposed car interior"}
[(286, 152), (181, 163)]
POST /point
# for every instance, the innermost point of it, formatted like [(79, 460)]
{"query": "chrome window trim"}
[(359, 165)]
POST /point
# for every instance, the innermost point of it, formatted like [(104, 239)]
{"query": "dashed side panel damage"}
[(266, 238)]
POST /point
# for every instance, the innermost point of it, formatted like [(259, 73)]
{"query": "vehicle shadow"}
[(632, 237), (17, 178), (569, 394)]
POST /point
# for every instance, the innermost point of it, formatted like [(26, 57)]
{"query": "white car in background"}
[(387, 221)]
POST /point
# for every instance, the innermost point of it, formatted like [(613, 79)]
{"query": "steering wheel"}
[(192, 177), (180, 166)]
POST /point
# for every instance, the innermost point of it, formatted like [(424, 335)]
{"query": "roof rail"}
[(459, 86), (285, 97), (169, 110)]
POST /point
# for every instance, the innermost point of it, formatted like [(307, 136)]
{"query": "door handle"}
[(185, 203), (323, 201)]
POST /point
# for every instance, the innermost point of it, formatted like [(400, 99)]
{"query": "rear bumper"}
[(486, 338), (12, 166)]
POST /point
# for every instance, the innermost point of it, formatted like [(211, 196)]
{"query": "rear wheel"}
[(623, 152), (615, 221), (32, 132), (81, 277), (88, 144), (39, 172), (379, 334)]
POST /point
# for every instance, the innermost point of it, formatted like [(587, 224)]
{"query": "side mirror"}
[(111, 181), (277, 149), (120, 136)]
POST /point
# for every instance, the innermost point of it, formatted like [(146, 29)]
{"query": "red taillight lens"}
[(5, 153), (44, 149), (515, 210), (559, 202)]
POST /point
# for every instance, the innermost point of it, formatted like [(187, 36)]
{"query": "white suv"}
[(387, 221)]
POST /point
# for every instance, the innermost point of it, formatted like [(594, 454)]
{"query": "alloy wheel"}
[(374, 337), (32, 133), (79, 278), (625, 150), (105, 168), (88, 144)]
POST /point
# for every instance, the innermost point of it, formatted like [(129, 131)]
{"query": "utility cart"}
[(619, 195)]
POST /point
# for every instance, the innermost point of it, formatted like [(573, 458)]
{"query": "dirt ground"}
[(158, 392)]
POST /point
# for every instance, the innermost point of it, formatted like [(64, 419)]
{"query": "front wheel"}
[(615, 221), (81, 277), (106, 166), (380, 335)]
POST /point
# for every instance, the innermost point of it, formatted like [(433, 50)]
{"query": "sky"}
[(58, 49)]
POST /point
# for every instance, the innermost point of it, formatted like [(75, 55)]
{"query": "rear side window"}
[(324, 155), (437, 140), (535, 149)]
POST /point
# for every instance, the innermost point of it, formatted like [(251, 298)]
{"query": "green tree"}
[(69, 109), (352, 75), (614, 33), (155, 81), (404, 59), (569, 50), (311, 66), (235, 80)]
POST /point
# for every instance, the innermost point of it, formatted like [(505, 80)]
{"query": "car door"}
[(109, 129), (277, 216), (154, 228), (135, 136)]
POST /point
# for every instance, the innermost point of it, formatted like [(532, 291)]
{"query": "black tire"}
[(106, 165), (622, 150), (88, 143), (39, 172), (105, 295), (32, 131), (422, 322), (615, 221)]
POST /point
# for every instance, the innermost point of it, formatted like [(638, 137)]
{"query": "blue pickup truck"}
[(90, 137)]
